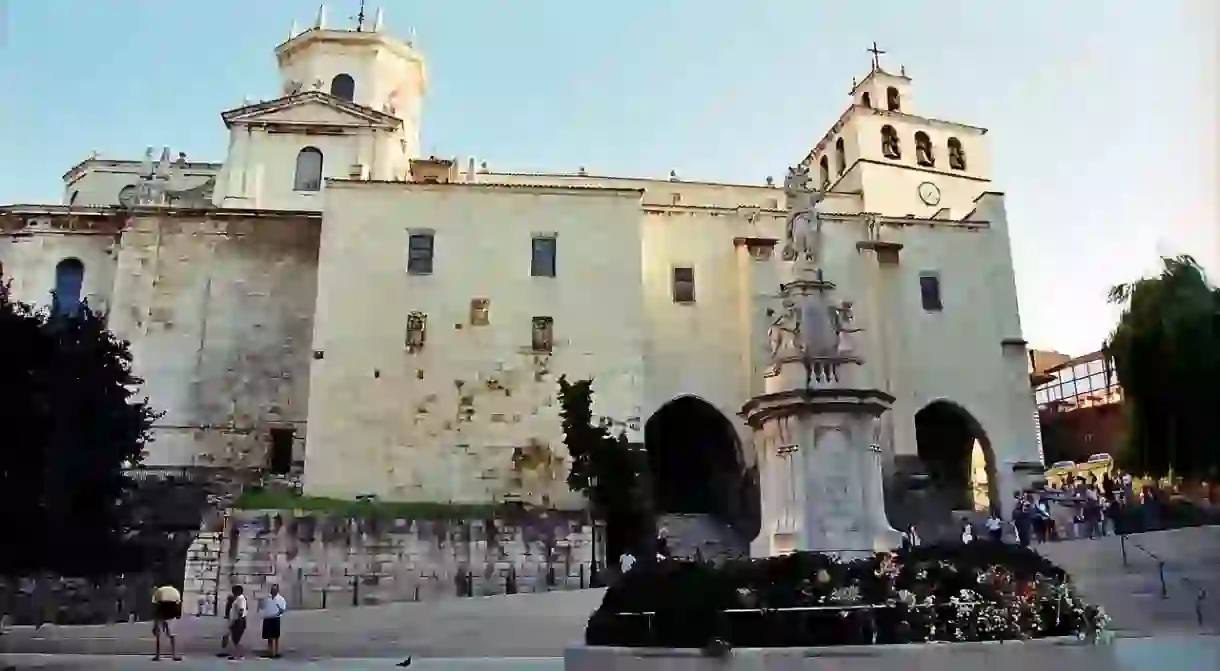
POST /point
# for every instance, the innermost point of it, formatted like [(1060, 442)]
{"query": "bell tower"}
[(361, 64)]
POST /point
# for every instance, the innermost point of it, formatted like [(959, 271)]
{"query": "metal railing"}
[(1200, 591)]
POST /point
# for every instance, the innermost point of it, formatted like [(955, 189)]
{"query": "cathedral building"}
[(330, 302)]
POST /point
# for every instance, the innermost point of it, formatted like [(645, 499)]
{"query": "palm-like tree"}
[(1166, 354)]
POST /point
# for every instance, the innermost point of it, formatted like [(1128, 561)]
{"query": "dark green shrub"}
[(980, 591)]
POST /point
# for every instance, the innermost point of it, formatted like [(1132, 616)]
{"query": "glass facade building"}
[(1083, 382)]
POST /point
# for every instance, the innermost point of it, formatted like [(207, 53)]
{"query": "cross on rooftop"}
[(876, 56)]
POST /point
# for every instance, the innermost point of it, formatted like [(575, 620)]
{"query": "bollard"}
[(510, 584), (355, 591), (1199, 606), (324, 591), (1122, 546), (1160, 568), (582, 576)]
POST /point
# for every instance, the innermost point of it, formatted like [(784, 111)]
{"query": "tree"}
[(1166, 355), (71, 426), (605, 469)]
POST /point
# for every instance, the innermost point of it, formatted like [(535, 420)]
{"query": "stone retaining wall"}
[(323, 561)]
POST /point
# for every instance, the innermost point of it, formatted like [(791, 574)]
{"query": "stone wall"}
[(327, 561)]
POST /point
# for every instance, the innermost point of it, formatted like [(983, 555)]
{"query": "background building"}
[(1079, 407)]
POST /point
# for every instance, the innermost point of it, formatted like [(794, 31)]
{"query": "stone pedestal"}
[(820, 468)]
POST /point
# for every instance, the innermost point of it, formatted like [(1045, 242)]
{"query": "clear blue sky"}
[(1103, 115)]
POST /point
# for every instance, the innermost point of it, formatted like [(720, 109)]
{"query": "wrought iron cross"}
[(874, 51), (360, 19)]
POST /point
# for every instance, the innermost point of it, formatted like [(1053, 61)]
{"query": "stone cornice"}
[(443, 186)]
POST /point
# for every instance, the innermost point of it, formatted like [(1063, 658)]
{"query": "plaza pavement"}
[(530, 631)]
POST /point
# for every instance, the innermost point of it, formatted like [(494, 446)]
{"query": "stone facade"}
[(291, 298), (322, 561)]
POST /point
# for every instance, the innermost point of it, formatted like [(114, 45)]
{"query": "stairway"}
[(699, 535)]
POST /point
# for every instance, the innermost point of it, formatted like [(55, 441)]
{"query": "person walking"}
[(167, 605), (967, 531), (236, 615), (225, 638), (273, 609), (995, 527)]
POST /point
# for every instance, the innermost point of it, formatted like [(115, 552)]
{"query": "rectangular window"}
[(543, 336), (684, 285), (419, 254), (929, 292), (279, 457), (542, 256), (480, 311)]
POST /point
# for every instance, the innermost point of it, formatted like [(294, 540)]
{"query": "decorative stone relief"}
[(417, 331)]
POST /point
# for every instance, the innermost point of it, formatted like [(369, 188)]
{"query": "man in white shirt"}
[(273, 609), (625, 562), (237, 622)]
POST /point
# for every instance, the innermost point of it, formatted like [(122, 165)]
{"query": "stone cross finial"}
[(876, 56)]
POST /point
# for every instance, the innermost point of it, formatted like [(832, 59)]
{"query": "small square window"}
[(542, 256), (929, 292), (480, 309), (543, 336), (684, 285), (675, 198), (419, 254)]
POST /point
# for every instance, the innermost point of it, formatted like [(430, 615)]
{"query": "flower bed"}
[(982, 591)]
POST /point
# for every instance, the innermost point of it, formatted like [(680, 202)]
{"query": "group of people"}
[(1083, 509), (167, 607)]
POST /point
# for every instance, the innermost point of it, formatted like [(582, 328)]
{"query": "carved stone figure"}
[(783, 334), (872, 227), (876, 434), (845, 329), (803, 229), (292, 87)]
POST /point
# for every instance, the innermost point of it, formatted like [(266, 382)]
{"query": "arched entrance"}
[(957, 456), (702, 492)]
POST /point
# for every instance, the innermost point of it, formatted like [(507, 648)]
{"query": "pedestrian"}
[(167, 605), (224, 639), (236, 617), (273, 609), (625, 562), (967, 531), (995, 527)]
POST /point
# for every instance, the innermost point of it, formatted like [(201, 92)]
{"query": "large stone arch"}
[(701, 484), (957, 462)]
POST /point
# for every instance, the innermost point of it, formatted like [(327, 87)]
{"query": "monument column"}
[(817, 419)]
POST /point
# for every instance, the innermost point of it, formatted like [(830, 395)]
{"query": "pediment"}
[(310, 108)]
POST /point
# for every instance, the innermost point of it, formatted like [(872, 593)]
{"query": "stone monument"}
[(817, 425)]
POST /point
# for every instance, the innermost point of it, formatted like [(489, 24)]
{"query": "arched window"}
[(69, 281), (309, 170), (957, 155), (825, 163), (890, 147), (923, 150), (343, 86), (841, 155), (892, 100), (867, 100)]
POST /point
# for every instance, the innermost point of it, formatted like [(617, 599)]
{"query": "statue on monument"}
[(803, 231), (783, 335), (845, 329)]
